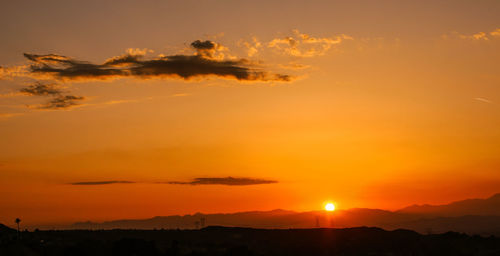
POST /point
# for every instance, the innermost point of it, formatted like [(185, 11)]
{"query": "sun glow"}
[(329, 207)]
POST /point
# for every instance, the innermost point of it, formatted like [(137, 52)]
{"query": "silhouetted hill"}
[(484, 225), (6, 230), (480, 225), (257, 219), (223, 241), (463, 216), (480, 207)]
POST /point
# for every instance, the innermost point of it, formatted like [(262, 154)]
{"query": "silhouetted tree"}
[(18, 230)]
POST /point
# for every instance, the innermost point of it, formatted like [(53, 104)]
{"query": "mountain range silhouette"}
[(471, 216)]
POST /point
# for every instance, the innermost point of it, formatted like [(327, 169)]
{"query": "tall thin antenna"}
[(202, 222)]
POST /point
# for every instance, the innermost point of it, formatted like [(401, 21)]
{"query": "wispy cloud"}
[(180, 94), (4, 116), (495, 33), (294, 66), (114, 102), (58, 100), (62, 102), (39, 89), (229, 181), (478, 36), (11, 94), (252, 47), (106, 182), (304, 45), (15, 71), (483, 100)]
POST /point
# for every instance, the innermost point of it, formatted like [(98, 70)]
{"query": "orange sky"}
[(366, 104)]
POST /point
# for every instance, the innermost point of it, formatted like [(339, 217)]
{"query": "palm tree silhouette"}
[(17, 221)]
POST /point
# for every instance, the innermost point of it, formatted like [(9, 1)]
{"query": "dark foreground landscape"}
[(245, 241)]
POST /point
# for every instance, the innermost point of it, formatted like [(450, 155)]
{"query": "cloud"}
[(294, 66), (479, 36), (39, 89), (4, 116), (107, 182), (229, 181), (114, 102), (62, 102), (304, 45), (11, 94), (210, 50), (180, 94), (58, 100), (483, 100), (495, 33), (15, 71), (206, 62), (203, 45), (251, 47)]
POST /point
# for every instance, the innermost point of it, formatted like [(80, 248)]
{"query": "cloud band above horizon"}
[(107, 182), (132, 64), (229, 181)]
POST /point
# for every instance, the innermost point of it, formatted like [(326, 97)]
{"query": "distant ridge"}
[(472, 216), (481, 207)]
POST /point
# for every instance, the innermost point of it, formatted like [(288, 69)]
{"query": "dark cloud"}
[(203, 45), (39, 89), (122, 60), (62, 102), (202, 64), (62, 67), (229, 181), (58, 100), (107, 182)]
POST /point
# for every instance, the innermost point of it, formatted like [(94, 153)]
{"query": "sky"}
[(133, 109)]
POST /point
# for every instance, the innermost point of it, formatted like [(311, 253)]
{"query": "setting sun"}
[(330, 207)]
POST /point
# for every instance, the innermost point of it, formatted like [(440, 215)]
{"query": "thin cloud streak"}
[(478, 36), (96, 183), (62, 102), (5, 116), (484, 100), (229, 181)]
